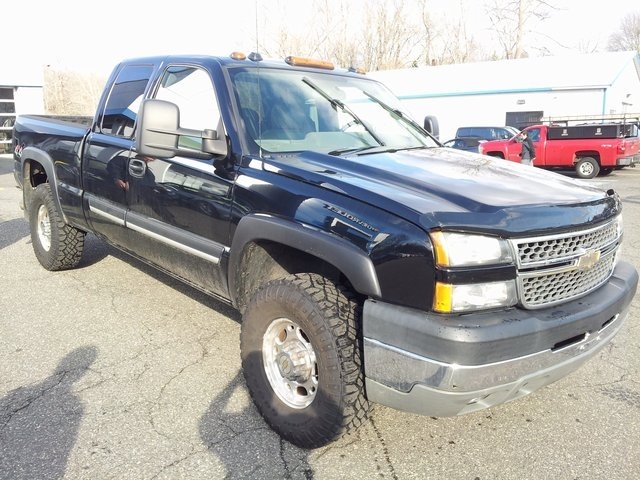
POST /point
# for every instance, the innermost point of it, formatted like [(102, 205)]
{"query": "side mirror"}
[(158, 122), (159, 131), (431, 126), (214, 141)]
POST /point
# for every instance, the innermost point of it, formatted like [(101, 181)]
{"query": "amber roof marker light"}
[(309, 62), (238, 56)]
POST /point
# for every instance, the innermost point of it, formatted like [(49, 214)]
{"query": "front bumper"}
[(443, 366)]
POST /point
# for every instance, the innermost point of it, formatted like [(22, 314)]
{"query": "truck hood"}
[(440, 187)]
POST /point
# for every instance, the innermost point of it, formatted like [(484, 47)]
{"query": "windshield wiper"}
[(357, 150), (336, 103), (396, 113), (373, 149)]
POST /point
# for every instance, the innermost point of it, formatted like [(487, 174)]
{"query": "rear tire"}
[(57, 246), (301, 358), (587, 167)]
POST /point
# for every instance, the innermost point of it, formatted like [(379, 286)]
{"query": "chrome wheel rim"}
[(290, 363), (586, 169), (44, 228)]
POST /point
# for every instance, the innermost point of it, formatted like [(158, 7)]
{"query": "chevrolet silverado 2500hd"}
[(369, 262)]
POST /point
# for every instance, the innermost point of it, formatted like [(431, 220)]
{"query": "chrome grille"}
[(542, 290), (552, 269), (551, 249)]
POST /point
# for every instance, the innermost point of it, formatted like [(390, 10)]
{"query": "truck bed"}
[(62, 139)]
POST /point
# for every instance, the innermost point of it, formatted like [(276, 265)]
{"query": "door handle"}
[(137, 168)]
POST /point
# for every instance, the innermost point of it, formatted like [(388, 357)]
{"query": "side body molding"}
[(350, 260)]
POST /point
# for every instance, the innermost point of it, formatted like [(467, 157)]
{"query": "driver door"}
[(179, 207)]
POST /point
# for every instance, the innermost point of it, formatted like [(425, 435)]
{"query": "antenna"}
[(256, 11), (258, 58)]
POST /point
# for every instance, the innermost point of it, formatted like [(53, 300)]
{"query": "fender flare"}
[(44, 159), (354, 263)]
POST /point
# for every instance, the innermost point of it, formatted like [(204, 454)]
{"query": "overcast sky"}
[(93, 36)]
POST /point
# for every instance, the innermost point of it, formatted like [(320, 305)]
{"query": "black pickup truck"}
[(369, 262)]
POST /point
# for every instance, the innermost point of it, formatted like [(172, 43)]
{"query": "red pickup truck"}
[(589, 149)]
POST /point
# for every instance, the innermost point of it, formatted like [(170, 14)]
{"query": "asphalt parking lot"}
[(114, 371)]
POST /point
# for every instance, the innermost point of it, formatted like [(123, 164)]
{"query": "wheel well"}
[(264, 261), (495, 154), (35, 173), (587, 154)]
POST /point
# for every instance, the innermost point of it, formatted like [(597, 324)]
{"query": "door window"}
[(534, 134), (192, 91)]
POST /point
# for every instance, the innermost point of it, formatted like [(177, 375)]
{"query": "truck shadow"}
[(236, 436), (39, 423), (94, 251), (6, 164), (183, 288), (12, 231), (242, 441)]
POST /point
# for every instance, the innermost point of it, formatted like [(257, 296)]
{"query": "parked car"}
[(488, 133), (469, 144)]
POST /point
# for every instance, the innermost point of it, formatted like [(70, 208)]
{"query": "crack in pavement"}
[(26, 402), (178, 461), (385, 452), (290, 468)]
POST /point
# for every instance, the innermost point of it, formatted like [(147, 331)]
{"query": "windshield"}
[(288, 111)]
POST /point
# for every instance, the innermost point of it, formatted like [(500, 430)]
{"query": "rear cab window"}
[(122, 105)]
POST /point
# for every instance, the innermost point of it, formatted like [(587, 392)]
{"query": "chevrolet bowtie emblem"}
[(588, 260)]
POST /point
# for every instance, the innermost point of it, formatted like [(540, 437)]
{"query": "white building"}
[(21, 92), (518, 92)]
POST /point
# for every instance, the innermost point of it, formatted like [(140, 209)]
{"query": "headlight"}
[(458, 250), (619, 225), (476, 296), (619, 231), (462, 250)]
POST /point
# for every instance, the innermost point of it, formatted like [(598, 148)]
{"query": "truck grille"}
[(558, 268)]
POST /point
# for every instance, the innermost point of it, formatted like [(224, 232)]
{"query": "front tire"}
[(587, 167), (301, 359), (57, 246)]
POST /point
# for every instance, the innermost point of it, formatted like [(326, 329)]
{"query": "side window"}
[(482, 133), (192, 91), (121, 109), (534, 134)]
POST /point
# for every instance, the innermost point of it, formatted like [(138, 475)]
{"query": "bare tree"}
[(628, 38), (446, 40), (510, 20), (325, 35), (331, 34), (71, 93), (425, 33), (390, 38), (384, 35), (458, 45), (335, 37)]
